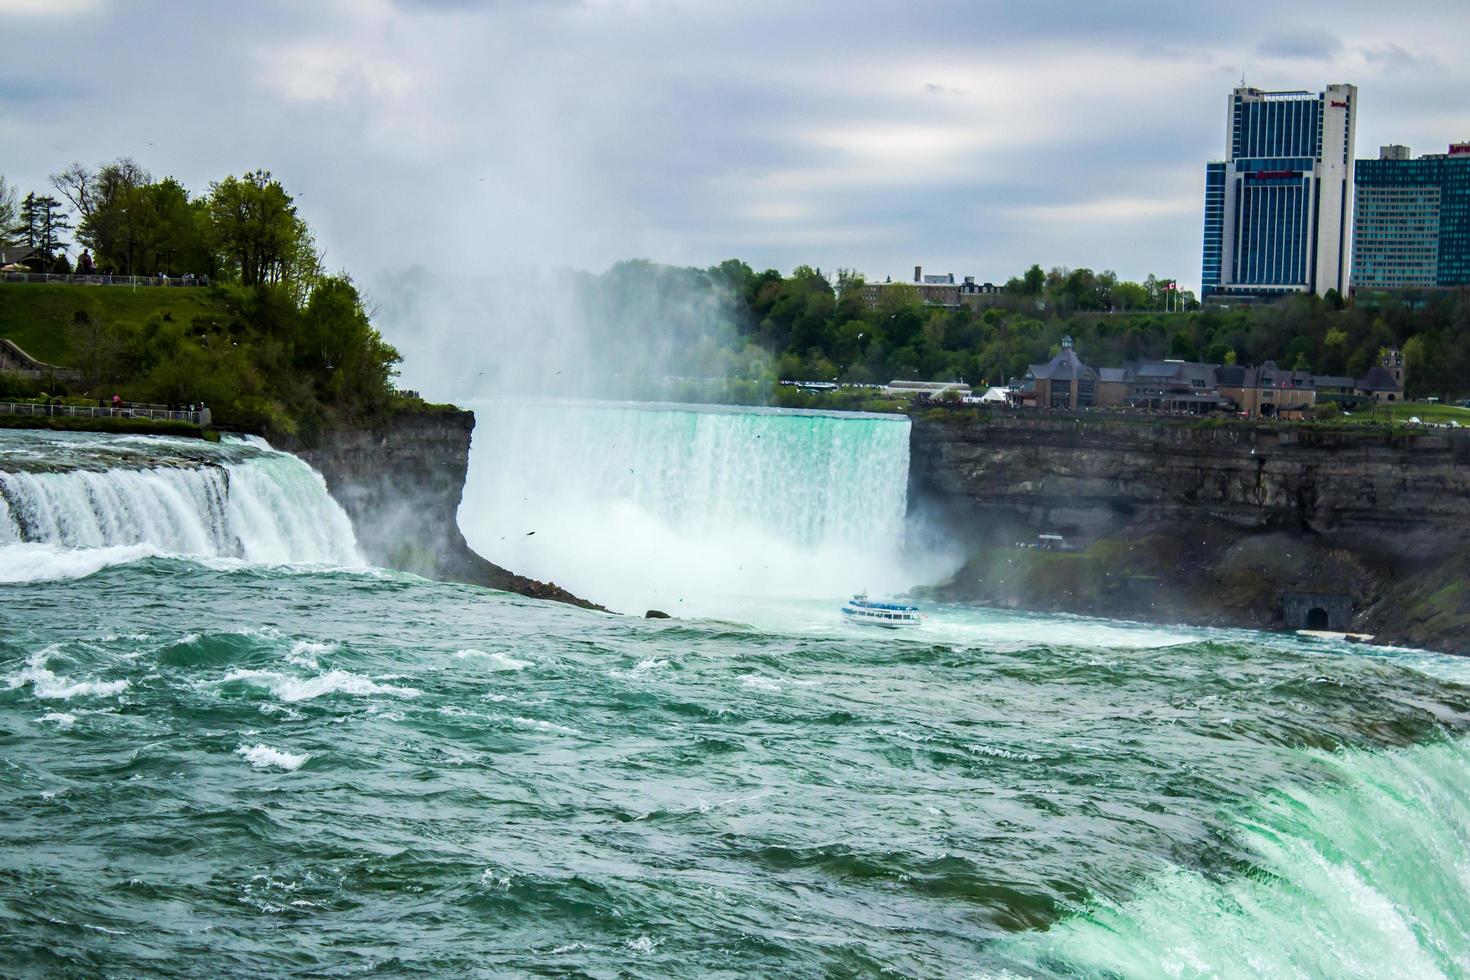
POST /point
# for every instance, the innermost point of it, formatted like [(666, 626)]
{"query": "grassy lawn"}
[(1400, 413), (36, 315)]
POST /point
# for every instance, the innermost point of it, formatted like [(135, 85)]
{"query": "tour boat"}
[(890, 615)]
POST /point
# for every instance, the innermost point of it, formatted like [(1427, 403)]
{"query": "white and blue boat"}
[(889, 615)]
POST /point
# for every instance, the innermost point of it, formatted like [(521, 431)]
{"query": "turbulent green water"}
[(214, 766)]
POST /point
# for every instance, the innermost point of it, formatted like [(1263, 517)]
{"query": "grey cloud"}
[(1392, 57), (1312, 45)]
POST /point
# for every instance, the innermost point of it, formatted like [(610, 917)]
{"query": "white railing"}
[(200, 417), (101, 280)]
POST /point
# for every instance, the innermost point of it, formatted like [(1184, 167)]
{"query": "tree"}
[(106, 201), (1127, 296), (352, 362), (76, 184), (9, 214), (1034, 280), (54, 223), (41, 225), (1181, 347), (258, 237), (96, 347)]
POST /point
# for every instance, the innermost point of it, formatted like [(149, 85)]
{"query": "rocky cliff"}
[(401, 481), (1206, 521)]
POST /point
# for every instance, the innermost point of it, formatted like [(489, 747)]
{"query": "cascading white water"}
[(641, 506), (246, 502)]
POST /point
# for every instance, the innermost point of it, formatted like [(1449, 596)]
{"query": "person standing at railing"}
[(116, 402)]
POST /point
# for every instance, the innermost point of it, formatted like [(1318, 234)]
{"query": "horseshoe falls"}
[(690, 509), (229, 748)]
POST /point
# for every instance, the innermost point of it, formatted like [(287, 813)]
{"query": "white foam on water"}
[(1358, 876), (535, 724), (264, 757), (496, 659), (29, 562), (999, 753), (61, 718), (291, 689), (304, 653), (48, 686)]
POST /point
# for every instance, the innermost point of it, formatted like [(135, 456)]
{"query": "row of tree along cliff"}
[(1207, 522)]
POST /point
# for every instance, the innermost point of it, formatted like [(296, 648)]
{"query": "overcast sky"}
[(973, 138)]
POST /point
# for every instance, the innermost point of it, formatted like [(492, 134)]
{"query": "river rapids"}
[(228, 747)]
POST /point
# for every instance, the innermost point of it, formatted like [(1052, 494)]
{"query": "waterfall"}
[(65, 496), (644, 505)]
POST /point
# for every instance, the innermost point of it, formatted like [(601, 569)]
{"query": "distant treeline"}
[(815, 326)]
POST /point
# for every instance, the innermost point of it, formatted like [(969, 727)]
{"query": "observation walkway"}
[(101, 280), (128, 410)]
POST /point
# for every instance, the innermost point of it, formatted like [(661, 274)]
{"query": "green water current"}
[(227, 769), (266, 759)]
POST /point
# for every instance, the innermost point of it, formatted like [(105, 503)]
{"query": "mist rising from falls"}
[(689, 509), (70, 506)]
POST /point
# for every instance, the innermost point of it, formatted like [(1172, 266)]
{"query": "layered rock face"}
[(1204, 521), (1407, 492), (401, 483)]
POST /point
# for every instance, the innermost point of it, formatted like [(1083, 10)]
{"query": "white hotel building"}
[(1278, 209)]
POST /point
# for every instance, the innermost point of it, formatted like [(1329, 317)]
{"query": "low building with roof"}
[(13, 258), (1114, 385), (1384, 382), (941, 289), (1064, 381), (1175, 386), (1266, 390), (1194, 387)]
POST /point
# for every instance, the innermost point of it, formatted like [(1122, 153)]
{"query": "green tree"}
[(98, 349), (338, 344), (258, 237), (1182, 348), (1034, 280), (9, 213), (1127, 296), (40, 227), (106, 201)]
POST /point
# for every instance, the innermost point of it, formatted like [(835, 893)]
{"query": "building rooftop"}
[(1378, 379), (1064, 367)]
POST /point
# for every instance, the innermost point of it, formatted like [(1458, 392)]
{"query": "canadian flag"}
[(1171, 285)]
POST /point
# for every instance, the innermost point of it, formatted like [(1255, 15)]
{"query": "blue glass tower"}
[(1278, 209), (1214, 227)]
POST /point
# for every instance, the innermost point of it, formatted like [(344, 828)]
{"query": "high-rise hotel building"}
[(1411, 226), (1278, 209)]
